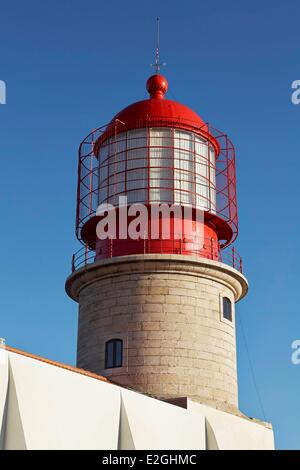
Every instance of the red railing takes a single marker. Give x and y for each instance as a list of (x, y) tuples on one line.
[(230, 256)]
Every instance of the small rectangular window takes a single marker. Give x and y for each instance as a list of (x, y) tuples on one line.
[(113, 353), (227, 309)]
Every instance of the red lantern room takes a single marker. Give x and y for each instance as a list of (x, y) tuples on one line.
[(158, 151)]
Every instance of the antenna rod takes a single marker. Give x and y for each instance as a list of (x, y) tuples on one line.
[(157, 64)]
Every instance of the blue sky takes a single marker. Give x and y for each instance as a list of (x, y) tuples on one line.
[(69, 67)]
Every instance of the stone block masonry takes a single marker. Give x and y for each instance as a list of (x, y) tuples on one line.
[(167, 309)]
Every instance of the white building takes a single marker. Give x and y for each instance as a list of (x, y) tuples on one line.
[(47, 405)]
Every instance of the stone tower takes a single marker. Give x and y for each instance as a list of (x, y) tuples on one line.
[(157, 313)]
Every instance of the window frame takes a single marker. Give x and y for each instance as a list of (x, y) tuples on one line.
[(226, 301), (115, 364)]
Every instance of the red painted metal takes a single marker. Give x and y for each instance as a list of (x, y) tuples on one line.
[(188, 243), (158, 112), (220, 225), (157, 86)]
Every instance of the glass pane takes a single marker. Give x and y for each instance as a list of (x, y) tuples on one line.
[(212, 179), (103, 172), (184, 167), (137, 179), (121, 142), (200, 148), (139, 195), (183, 140), (161, 147), (109, 355), (103, 151), (161, 195), (118, 353), (227, 309), (161, 178), (137, 162), (160, 137), (137, 138), (103, 194), (115, 189), (116, 166)]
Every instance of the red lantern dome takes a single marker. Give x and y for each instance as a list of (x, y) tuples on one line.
[(157, 111)]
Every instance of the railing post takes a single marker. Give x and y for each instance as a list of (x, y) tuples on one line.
[(86, 254), (73, 263), (111, 247), (219, 252), (212, 248), (233, 257)]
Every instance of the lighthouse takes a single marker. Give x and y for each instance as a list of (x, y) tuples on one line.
[(156, 278), (157, 313)]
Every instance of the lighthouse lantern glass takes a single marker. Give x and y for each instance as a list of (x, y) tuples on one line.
[(158, 165)]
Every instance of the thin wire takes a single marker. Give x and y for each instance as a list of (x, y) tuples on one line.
[(252, 371)]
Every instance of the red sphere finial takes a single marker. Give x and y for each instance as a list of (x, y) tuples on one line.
[(157, 86)]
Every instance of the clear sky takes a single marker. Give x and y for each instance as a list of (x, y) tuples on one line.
[(69, 66)]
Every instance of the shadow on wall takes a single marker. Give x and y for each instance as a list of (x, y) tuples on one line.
[(12, 432), (211, 441), (125, 440)]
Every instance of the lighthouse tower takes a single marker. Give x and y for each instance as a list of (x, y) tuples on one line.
[(157, 313)]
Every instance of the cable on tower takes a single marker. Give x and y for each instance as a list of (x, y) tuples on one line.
[(252, 370)]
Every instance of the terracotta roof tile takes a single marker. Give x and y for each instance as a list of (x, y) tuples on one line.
[(59, 364)]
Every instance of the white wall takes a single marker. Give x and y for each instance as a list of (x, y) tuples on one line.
[(152, 424), (3, 391), (226, 431), (43, 406), (60, 409)]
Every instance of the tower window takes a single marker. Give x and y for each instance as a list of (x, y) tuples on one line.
[(227, 308), (113, 353)]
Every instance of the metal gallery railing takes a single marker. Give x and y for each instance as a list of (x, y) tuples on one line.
[(208, 249)]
